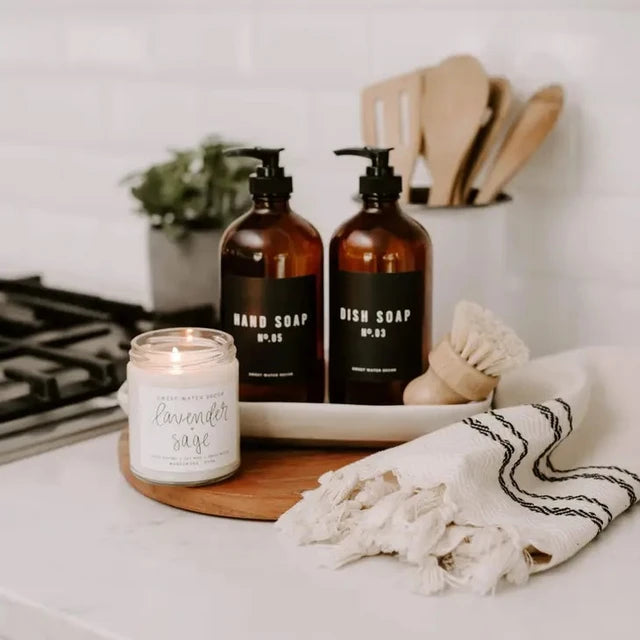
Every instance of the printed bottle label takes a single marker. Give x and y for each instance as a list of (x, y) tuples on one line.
[(273, 323), (376, 325), (187, 429)]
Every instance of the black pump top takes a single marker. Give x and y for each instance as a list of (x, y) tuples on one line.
[(269, 179), (380, 178)]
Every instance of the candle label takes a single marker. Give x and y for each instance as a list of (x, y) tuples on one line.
[(376, 325), (187, 429), (273, 323)]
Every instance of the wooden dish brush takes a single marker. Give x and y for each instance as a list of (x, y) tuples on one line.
[(468, 363)]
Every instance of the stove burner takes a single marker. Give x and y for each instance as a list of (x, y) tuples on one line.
[(38, 362), (60, 349)]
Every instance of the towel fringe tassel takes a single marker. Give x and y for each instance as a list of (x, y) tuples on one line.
[(383, 514)]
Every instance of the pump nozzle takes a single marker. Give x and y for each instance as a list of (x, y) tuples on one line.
[(269, 179), (380, 178), (379, 156), (270, 158)]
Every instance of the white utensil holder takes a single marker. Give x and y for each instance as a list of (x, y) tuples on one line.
[(469, 255)]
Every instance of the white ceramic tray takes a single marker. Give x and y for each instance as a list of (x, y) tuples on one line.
[(537, 381), (342, 423), (348, 423)]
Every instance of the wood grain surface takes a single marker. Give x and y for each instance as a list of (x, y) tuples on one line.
[(500, 99), (270, 481), (454, 103), (527, 133), (401, 128)]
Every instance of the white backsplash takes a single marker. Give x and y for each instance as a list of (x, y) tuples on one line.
[(93, 90)]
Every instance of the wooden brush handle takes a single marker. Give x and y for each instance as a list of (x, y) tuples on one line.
[(449, 380), (461, 377), (435, 391)]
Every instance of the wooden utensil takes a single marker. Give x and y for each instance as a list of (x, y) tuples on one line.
[(399, 98), (500, 99), (537, 119), (454, 102)]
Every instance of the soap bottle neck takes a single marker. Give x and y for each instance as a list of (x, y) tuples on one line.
[(381, 204), (271, 204)]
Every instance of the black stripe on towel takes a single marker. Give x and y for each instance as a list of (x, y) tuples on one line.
[(478, 426), (545, 457), (632, 475), (525, 445)]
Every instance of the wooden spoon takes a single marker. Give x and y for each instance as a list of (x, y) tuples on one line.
[(456, 93), (500, 103), (406, 139), (537, 119)]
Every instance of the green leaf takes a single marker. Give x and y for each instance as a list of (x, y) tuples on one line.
[(195, 189)]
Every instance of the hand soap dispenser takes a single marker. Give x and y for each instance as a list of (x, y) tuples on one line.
[(271, 291), (380, 264)]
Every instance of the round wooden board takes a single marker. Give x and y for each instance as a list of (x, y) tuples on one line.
[(268, 483)]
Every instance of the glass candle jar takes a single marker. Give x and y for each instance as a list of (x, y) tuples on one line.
[(183, 406)]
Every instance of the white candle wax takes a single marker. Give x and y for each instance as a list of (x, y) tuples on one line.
[(183, 406)]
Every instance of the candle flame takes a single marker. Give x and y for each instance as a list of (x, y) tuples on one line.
[(175, 355)]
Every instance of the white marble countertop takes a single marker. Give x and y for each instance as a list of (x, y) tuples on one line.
[(84, 557)]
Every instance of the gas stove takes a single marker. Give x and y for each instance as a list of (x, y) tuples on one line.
[(63, 355)]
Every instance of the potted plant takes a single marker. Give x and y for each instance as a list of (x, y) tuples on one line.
[(189, 200)]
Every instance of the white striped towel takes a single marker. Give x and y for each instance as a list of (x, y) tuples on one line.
[(504, 494)]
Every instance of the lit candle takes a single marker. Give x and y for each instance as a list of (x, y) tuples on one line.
[(175, 360), (183, 406)]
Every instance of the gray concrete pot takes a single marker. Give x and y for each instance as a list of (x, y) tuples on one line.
[(185, 273)]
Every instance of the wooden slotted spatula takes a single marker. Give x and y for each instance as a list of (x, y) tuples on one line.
[(538, 117), (454, 103), (400, 122), (499, 103)]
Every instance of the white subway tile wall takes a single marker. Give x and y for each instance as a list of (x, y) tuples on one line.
[(91, 91)]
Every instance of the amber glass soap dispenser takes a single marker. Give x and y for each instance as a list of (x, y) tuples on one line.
[(380, 264), (271, 291)]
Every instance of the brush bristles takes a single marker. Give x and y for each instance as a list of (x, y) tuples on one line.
[(484, 341)]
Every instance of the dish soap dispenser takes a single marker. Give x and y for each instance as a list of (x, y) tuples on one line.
[(271, 290), (380, 265)]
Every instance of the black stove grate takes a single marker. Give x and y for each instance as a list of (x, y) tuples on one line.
[(58, 347)]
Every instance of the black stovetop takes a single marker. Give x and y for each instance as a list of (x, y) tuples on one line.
[(58, 348)]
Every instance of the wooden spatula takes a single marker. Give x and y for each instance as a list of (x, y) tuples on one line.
[(455, 98), (499, 103), (537, 119), (400, 100)]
